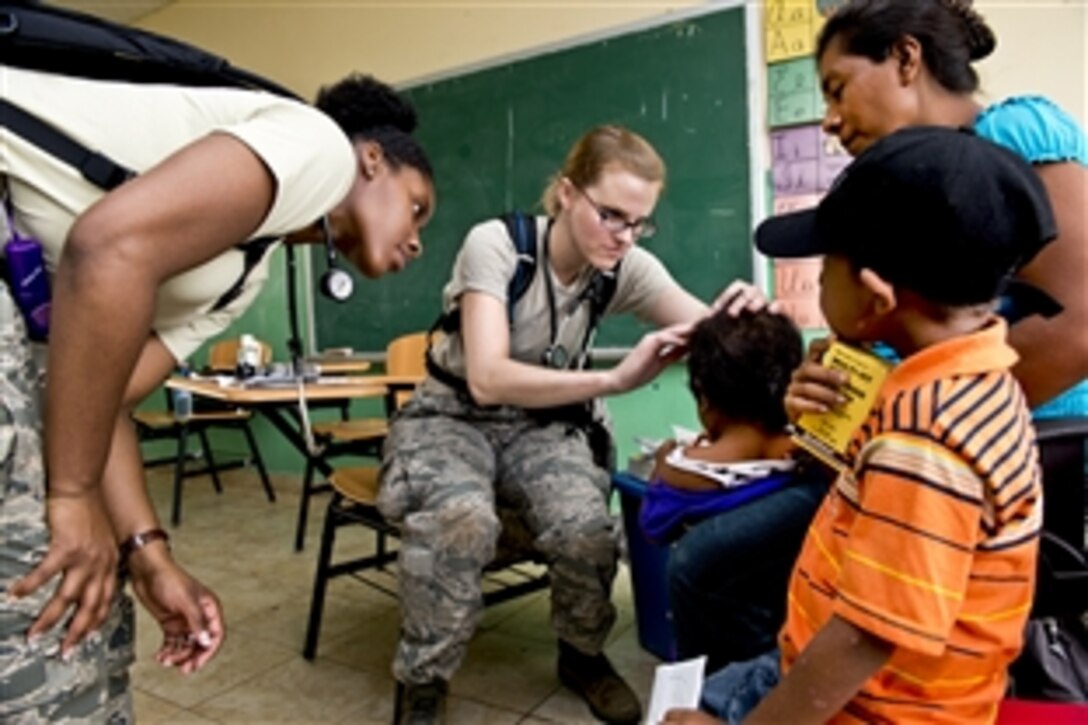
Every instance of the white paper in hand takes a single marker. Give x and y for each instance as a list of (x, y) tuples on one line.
[(675, 685)]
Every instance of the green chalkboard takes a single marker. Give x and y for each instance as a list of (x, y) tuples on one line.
[(496, 136)]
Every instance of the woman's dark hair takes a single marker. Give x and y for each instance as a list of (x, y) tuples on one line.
[(951, 33), (367, 109), (740, 366)]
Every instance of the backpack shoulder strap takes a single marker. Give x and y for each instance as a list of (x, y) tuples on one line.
[(100, 170), (522, 230), (67, 42), (604, 286), (599, 292)]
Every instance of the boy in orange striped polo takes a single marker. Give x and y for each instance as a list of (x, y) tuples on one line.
[(909, 598)]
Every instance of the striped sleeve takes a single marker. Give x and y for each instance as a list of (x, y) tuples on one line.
[(909, 555)]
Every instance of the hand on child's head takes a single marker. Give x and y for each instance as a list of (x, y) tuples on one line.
[(741, 296), (675, 339)]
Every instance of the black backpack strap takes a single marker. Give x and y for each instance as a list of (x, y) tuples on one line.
[(253, 251), (107, 174), (599, 293), (522, 230), (602, 290), (100, 170), (68, 42)]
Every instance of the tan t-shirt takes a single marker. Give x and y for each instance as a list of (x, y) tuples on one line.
[(138, 126), (487, 262)]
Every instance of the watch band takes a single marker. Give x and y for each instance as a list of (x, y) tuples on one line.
[(139, 540)]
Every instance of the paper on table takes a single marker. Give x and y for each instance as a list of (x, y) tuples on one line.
[(684, 436), (675, 685)]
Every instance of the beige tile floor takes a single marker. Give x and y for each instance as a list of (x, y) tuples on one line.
[(241, 545)]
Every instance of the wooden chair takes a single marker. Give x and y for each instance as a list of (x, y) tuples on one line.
[(514, 572), (361, 436), (355, 491), (165, 424)]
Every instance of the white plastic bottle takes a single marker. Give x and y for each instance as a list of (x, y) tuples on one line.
[(249, 357)]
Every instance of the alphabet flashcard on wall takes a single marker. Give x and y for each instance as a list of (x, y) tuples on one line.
[(790, 204), (805, 161), (793, 93), (791, 27), (797, 289)]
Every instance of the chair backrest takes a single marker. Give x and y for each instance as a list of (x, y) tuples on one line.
[(406, 356), (223, 355)]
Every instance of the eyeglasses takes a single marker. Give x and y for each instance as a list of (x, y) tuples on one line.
[(615, 221)]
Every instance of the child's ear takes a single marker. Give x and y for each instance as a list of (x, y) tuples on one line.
[(882, 298)]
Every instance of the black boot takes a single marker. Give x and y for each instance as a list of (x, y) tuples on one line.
[(592, 676), (421, 704)]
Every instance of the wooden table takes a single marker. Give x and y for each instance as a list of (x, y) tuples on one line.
[(280, 405), (339, 365)]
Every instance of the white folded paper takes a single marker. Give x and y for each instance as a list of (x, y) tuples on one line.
[(675, 685)]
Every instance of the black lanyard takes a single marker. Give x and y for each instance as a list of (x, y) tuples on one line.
[(556, 355), (549, 285)]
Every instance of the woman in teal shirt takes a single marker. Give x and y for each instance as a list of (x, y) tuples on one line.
[(886, 64)]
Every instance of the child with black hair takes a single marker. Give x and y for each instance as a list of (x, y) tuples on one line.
[(729, 568), (909, 598), (738, 371)]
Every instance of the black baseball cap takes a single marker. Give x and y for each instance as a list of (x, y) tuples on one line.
[(936, 210)]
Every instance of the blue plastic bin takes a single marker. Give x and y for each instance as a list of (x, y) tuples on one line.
[(648, 576)]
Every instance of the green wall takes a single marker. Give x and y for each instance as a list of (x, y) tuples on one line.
[(496, 135)]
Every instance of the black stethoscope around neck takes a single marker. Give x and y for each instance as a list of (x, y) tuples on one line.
[(556, 355)]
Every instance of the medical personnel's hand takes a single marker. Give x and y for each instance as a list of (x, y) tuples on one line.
[(653, 353), (741, 296), (83, 551), (189, 613), (814, 388)]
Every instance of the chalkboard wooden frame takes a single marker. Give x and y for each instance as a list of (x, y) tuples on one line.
[(513, 173)]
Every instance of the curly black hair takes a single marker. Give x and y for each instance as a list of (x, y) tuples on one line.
[(367, 109), (951, 32), (741, 366)]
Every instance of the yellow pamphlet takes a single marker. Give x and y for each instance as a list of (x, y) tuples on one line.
[(827, 435)]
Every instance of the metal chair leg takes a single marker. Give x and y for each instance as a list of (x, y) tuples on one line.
[(379, 545), (209, 459), (398, 702), (258, 461), (304, 504), (179, 474), (321, 577)]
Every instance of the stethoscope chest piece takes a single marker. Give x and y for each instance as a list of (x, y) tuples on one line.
[(337, 284)]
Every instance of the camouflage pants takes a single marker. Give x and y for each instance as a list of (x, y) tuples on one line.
[(35, 684), (447, 464)]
